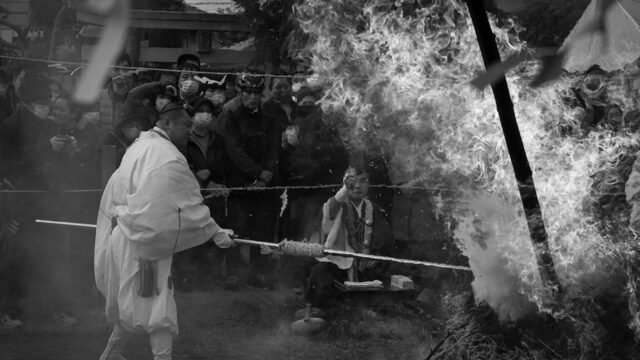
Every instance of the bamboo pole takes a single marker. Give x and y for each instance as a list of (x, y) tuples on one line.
[(519, 161), (274, 246)]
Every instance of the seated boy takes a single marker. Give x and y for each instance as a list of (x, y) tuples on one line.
[(350, 222)]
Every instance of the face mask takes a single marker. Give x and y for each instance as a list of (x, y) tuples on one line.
[(202, 119), (161, 103), (296, 87), (189, 87), (41, 111), (217, 99)]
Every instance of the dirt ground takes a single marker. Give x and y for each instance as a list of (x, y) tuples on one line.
[(220, 324)]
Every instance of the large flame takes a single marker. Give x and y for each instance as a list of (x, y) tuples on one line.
[(402, 80)]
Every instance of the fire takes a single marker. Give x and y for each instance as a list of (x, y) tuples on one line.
[(403, 80)]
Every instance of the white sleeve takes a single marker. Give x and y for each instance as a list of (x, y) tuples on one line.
[(166, 212)]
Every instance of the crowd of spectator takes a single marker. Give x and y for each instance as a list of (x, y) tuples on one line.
[(250, 131)]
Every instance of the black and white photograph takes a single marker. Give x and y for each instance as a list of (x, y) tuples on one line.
[(320, 179)]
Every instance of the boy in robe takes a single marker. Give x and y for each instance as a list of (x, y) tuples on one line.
[(151, 208), (350, 222)]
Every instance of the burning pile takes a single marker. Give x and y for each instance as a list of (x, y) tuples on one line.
[(400, 77)]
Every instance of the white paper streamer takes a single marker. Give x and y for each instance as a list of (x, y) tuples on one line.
[(110, 44), (285, 201), (551, 63)]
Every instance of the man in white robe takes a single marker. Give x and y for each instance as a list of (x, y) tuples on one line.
[(150, 209)]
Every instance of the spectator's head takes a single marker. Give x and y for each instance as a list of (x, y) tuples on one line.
[(167, 95), (176, 122), (307, 100), (56, 90), (215, 90), (141, 80), (34, 93), (169, 77), (281, 88), (251, 88), (5, 80), (189, 87), (216, 95), (357, 182), (121, 78), (298, 81), (65, 110), (307, 97), (203, 114), (188, 62), (230, 87)]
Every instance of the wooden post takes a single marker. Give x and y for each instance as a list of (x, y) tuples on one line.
[(519, 160), (108, 163)]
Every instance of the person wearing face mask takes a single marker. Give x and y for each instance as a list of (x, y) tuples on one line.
[(315, 156), (279, 108), (24, 132), (145, 102), (72, 163), (252, 143), (207, 159), (112, 98), (74, 143), (188, 86), (24, 146), (215, 91), (217, 97)]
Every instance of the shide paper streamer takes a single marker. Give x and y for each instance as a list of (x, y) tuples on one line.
[(110, 44)]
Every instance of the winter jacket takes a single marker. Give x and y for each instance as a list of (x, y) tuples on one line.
[(251, 140), (213, 158), (319, 158), (24, 146), (79, 169)]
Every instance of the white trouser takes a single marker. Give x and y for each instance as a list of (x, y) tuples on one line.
[(161, 344)]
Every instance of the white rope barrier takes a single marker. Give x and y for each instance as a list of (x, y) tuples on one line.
[(177, 71)]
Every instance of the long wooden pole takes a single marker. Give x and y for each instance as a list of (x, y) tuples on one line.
[(275, 246), (519, 161)]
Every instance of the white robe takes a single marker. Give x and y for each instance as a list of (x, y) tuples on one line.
[(158, 206)]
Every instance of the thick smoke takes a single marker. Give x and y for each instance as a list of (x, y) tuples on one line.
[(400, 77)]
